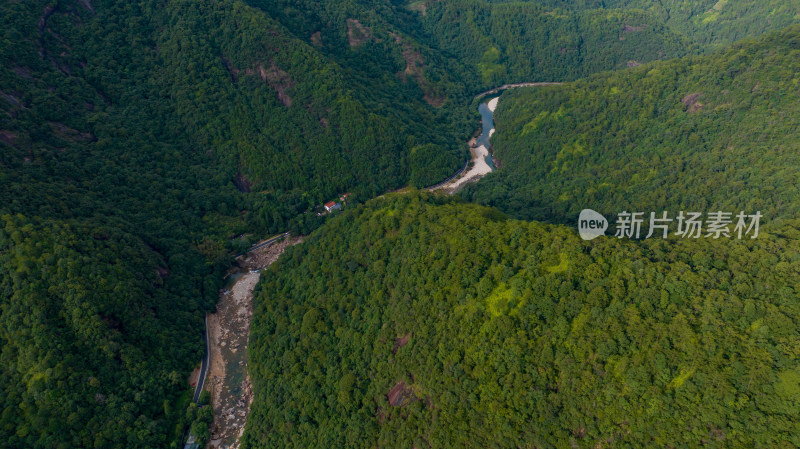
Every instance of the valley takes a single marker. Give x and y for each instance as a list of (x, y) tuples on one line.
[(229, 328), (145, 146), (227, 379)]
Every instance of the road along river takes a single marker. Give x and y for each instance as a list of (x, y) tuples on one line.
[(228, 329)]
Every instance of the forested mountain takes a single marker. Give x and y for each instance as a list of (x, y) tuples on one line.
[(711, 23), (138, 138), (562, 40), (716, 132), (524, 41), (418, 322)]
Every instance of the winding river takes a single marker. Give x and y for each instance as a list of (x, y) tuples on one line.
[(487, 126), (228, 329), (481, 162)]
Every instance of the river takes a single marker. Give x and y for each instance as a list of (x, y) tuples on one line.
[(229, 328), (481, 162), (227, 379)]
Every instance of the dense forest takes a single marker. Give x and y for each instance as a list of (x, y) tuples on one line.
[(560, 40), (420, 322), (716, 132), (135, 140), (517, 42), (139, 140), (710, 23)]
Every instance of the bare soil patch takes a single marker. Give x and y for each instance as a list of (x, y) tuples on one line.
[(400, 395), (278, 80), (8, 137), (399, 342), (414, 69), (692, 102), (357, 34), (632, 29), (316, 39), (65, 132), (194, 377)]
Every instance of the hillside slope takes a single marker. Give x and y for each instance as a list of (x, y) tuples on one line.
[(710, 23), (524, 41), (135, 140), (563, 40), (706, 133), (417, 322)]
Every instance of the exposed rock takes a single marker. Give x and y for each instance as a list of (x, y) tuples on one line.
[(162, 272), (22, 72), (242, 183), (65, 132), (691, 103), (8, 137), (316, 39), (413, 62), (232, 71), (87, 4), (399, 342), (41, 25), (633, 64), (381, 415), (400, 395), (10, 98), (278, 80), (420, 7), (414, 69), (397, 39), (357, 34), (48, 11)]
